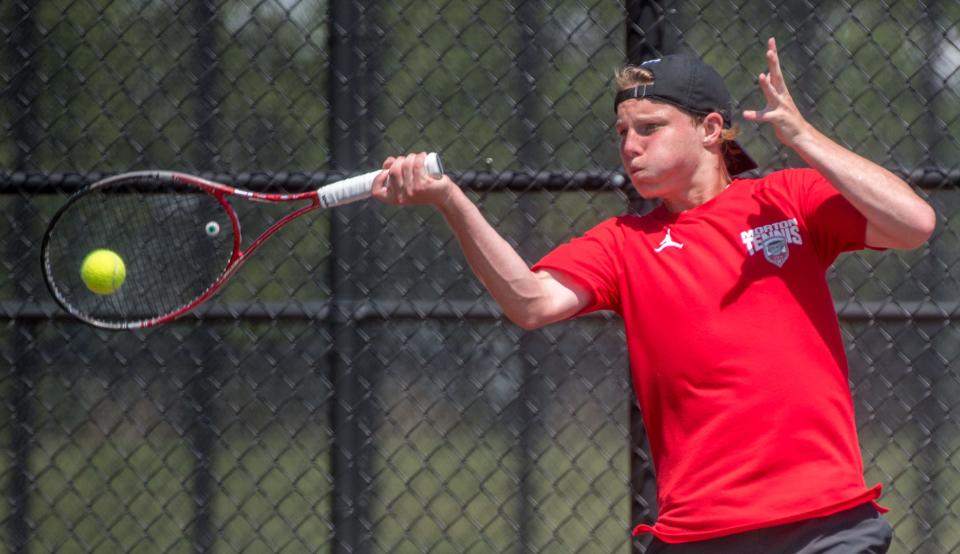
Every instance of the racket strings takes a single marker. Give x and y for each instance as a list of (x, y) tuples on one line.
[(164, 240)]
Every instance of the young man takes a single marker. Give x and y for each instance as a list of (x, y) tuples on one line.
[(735, 349)]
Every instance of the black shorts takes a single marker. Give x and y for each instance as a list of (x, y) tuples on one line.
[(860, 530)]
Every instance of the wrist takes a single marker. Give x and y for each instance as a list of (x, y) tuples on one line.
[(447, 199), (804, 137)]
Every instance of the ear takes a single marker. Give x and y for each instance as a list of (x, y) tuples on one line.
[(712, 129)]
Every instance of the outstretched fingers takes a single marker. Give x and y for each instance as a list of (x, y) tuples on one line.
[(769, 94), (781, 112), (772, 85), (774, 72)]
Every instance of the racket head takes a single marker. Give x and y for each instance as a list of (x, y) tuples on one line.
[(177, 236)]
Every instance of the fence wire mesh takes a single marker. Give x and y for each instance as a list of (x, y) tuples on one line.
[(353, 389)]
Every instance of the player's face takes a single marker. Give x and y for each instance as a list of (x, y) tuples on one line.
[(661, 147)]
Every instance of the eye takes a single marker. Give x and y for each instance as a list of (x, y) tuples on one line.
[(648, 129)]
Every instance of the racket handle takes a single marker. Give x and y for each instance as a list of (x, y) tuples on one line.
[(360, 186)]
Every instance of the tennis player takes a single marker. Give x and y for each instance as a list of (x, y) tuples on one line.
[(735, 350)]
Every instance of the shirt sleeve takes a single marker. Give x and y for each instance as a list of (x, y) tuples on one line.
[(593, 261), (834, 224)]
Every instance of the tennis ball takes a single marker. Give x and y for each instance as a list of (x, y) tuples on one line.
[(103, 271)]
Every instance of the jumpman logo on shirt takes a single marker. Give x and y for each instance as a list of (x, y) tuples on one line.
[(667, 242)]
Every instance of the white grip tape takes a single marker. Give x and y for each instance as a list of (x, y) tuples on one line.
[(359, 187), (347, 190)]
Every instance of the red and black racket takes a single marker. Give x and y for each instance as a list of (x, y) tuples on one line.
[(178, 237)]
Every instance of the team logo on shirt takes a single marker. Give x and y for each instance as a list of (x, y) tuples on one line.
[(667, 242), (773, 240)]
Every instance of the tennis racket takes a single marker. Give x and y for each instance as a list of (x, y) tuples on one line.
[(140, 249)]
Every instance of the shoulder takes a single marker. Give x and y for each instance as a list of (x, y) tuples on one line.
[(795, 177), (652, 221), (616, 226), (613, 233), (791, 186), (608, 234)]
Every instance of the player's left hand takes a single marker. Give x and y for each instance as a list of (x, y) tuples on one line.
[(781, 111)]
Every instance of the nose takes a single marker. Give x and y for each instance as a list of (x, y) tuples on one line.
[(631, 145)]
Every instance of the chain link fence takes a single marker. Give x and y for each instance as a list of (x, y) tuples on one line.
[(354, 389)]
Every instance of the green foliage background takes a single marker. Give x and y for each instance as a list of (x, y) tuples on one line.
[(497, 86)]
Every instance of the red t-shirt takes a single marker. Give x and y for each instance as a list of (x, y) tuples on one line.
[(735, 351)]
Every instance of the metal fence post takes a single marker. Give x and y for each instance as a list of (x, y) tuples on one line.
[(350, 404), (531, 155), (205, 63), (647, 36), (201, 393), (21, 92)]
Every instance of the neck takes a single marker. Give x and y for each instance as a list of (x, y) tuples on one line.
[(704, 186)]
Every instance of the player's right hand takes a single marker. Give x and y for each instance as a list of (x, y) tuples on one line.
[(405, 181)]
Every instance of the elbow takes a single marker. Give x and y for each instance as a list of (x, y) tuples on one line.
[(922, 229), (531, 315), (526, 320), (545, 302), (914, 229), (929, 223)]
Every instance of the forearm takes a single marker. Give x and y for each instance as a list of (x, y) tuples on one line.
[(529, 299), (896, 216), (500, 269)]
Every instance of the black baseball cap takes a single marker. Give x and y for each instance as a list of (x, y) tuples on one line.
[(688, 83)]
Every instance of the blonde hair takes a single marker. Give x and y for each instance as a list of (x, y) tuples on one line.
[(630, 76)]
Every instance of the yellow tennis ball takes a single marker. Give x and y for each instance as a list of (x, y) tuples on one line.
[(103, 271)]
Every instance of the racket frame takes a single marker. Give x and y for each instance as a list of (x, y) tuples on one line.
[(331, 195), (239, 255)]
